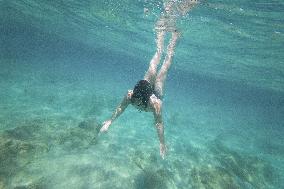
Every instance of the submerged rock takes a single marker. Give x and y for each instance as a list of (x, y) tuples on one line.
[(152, 173), (32, 184), (81, 137), (244, 169), (212, 177), (90, 125), (15, 154), (22, 145), (152, 179), (9, 154)]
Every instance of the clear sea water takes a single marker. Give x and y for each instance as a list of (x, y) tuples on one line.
[(65, 65)]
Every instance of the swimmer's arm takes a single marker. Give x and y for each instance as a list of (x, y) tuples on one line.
[(118, 111), (159, 126)]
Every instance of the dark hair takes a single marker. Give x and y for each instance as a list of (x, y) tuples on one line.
[(142, 90)]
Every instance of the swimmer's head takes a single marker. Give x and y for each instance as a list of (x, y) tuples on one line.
[(141, 93)]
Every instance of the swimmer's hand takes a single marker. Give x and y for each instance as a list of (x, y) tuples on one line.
[(105, 126), (162, 150)]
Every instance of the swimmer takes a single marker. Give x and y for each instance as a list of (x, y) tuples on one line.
[(148, 93)]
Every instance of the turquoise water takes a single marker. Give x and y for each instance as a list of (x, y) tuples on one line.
[(65, 65)]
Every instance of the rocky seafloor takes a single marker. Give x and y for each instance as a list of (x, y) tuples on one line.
[(213, 166), (21, 146)]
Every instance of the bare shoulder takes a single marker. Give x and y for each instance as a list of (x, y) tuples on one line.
[(155, 100), (155, 103)]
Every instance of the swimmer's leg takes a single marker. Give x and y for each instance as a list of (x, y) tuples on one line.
[(152, 70), (159, 83)]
